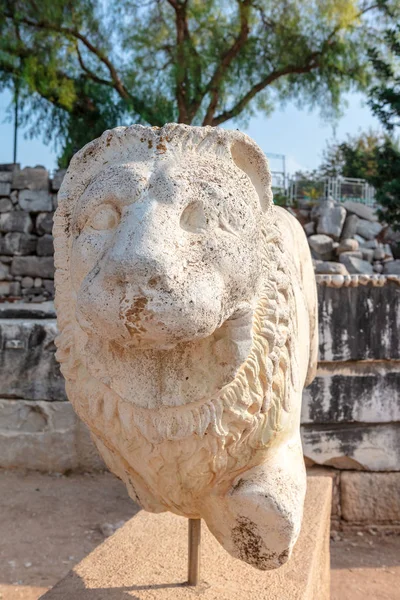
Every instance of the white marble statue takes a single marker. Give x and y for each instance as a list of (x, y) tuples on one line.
[(186, 306)]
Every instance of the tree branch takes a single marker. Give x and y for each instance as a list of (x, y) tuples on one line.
[(213, 86), (226, 60), (69, 31), (90, 74), (239, 106), (50, 94), (138, 105), (182, 76)]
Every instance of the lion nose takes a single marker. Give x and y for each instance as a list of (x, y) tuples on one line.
[(138, 254)]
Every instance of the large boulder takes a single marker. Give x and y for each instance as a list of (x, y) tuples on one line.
[(388, 251), (4, 271), (347, 245), (5, 176), (330, 268), (362, 241), (33, 266), (45, 246), (18, 244), (368, 229), (5, 205), (350, 226), (15, 221), (320, 243), (379, 253), (371, 244), (57, 179), (370, 496), (309, 228), (5, 188), (367, 254), (389, 235), (44, 222), (361, 210), (322, 247), (356, 265), (331, 220), (392, 267), (353, 253)]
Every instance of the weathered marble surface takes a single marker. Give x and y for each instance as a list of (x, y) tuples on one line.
[(186, 304)]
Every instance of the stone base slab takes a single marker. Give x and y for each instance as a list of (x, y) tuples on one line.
[(147, 559)]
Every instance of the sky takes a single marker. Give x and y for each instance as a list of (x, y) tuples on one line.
[(300, 135)]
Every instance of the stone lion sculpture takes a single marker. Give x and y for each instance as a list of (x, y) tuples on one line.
[(186, 306)]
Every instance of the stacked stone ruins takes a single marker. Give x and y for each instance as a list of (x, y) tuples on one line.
[(28, 198), (347, 239)]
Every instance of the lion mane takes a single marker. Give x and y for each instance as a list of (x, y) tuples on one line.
[(200, 444)]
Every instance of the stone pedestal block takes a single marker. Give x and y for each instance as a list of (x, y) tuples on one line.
[(147, 559)]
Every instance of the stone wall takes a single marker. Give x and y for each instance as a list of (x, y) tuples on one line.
[(38, 428), (28, 199), (351, 412)]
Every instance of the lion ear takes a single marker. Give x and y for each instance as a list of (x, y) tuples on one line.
[(248, 157)]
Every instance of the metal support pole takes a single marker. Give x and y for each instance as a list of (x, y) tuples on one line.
[(194, 539), (16, 103)]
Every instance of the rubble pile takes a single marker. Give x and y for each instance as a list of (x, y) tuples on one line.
[(347, 239)]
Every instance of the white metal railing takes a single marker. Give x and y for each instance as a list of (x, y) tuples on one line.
[(339, 189), (317, 190)]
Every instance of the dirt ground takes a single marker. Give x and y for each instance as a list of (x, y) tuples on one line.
[(49, 523)]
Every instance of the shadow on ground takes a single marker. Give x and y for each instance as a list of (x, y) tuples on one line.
[(73, 587)]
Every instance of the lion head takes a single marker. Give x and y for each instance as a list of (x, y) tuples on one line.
[(165, 238)]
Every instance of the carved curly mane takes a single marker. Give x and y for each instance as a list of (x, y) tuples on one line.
[(229, 432)]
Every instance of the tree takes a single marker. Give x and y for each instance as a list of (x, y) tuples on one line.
[(384, 99), (384, 96), (376, 158), (82, 68), (356, 157), (387, 184)]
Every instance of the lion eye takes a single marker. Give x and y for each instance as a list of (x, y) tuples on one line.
[(107, 217), (193, 218)]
